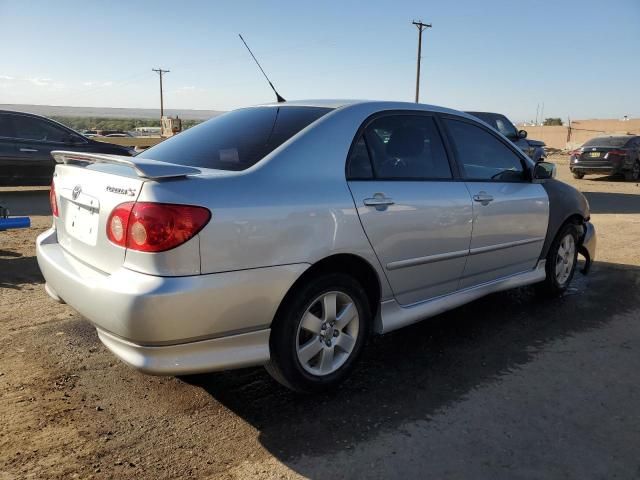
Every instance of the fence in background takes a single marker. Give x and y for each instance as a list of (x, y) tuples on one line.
[(581, 130)]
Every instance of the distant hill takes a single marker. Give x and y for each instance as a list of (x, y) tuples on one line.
[(104, 112)]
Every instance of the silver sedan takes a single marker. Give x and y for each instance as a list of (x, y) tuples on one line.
[(284, 235)]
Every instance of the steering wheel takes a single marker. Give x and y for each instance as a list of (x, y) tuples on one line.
[(395, 162)]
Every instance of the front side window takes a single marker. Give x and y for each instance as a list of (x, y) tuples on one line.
[(406, 147), (499, 122), (236, 140), (29, 128), (481, 155)]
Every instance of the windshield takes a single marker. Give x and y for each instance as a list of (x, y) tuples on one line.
[(499, 122), (606, 142), (236, 140)]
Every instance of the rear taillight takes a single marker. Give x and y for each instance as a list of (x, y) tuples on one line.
[(617, 153), (52, 199), (575, 153), (155, 227)]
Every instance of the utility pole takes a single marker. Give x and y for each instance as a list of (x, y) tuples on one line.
[(160, 72), (421, 26)]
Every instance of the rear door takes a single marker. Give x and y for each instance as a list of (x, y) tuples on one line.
[(416, 215), (35, 139), (510, 213)]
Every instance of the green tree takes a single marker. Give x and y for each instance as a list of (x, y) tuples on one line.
[(122, 124), (552, 121)]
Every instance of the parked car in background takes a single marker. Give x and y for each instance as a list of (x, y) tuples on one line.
[(611, 155), (26, 142), (533, 148), (282, 235), (119, 135)]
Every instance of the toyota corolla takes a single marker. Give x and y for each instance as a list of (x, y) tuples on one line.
[(284, 235)]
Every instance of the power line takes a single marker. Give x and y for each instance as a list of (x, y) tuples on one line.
[(421, 27), (160, 72)]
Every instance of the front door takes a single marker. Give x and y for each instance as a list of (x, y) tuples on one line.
[(510, 213), (8, 160), (416, 216)]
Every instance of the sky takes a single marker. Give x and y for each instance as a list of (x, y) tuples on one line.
[(581, 58)]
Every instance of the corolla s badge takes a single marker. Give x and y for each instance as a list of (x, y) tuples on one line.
[(122, 191), (76, 191)]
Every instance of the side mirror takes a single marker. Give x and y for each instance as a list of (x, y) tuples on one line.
[(544, 170), (522, 134)]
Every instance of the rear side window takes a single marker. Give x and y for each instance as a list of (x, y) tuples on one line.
[(236, 140), (29, 128), (482, 156), (6, 128), (405, 147)]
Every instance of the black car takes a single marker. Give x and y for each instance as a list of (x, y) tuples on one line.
[(614, 155), (26, 142), (533, 148)]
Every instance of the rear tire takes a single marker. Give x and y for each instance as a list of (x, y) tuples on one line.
[(578, 175), (561, 261), (318, 333), (634, 173)]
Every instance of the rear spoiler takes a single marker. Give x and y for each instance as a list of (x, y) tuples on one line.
[(144, 168)]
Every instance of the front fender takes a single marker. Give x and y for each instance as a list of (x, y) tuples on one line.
[(565, 202)]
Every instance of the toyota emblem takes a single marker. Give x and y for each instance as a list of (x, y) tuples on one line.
[(76, 191)]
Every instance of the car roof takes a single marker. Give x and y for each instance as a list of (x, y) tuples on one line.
[(381, 104), (485, 113), (616, 137), (24, 113)]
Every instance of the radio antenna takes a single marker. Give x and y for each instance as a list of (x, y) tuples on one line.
[(280, 99)]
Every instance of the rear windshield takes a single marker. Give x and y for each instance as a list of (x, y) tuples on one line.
[(607, 142), (235, 140)]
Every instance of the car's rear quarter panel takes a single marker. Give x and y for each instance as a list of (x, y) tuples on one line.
[(293, 207)]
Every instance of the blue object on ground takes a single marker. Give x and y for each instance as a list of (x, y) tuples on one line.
[(14, 222)]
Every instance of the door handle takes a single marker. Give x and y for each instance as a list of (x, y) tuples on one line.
[(378, 200), (483, 197), (28, 150)]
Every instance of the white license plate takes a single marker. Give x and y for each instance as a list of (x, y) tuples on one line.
[(82, 223)]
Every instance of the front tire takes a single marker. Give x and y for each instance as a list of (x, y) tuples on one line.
[(578, 175), (318, 333), (561, 261)]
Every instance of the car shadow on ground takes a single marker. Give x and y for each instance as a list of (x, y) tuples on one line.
[(609, 202), (26, 202), (413, 373), (17, 270)]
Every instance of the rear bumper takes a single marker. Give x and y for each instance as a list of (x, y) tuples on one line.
[(171, 325), (234, 351), (586, 169)]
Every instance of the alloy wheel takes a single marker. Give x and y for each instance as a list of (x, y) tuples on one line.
[(327, 333), (565, 258)]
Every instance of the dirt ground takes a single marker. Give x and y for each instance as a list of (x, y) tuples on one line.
[(506, 387)]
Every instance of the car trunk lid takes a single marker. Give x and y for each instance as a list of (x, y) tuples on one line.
[(88, 187), (595, 155)]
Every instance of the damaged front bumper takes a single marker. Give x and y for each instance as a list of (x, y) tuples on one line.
[(587, 247)]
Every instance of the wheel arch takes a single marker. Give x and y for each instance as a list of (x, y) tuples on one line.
[(347, 263), (575, 218)]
